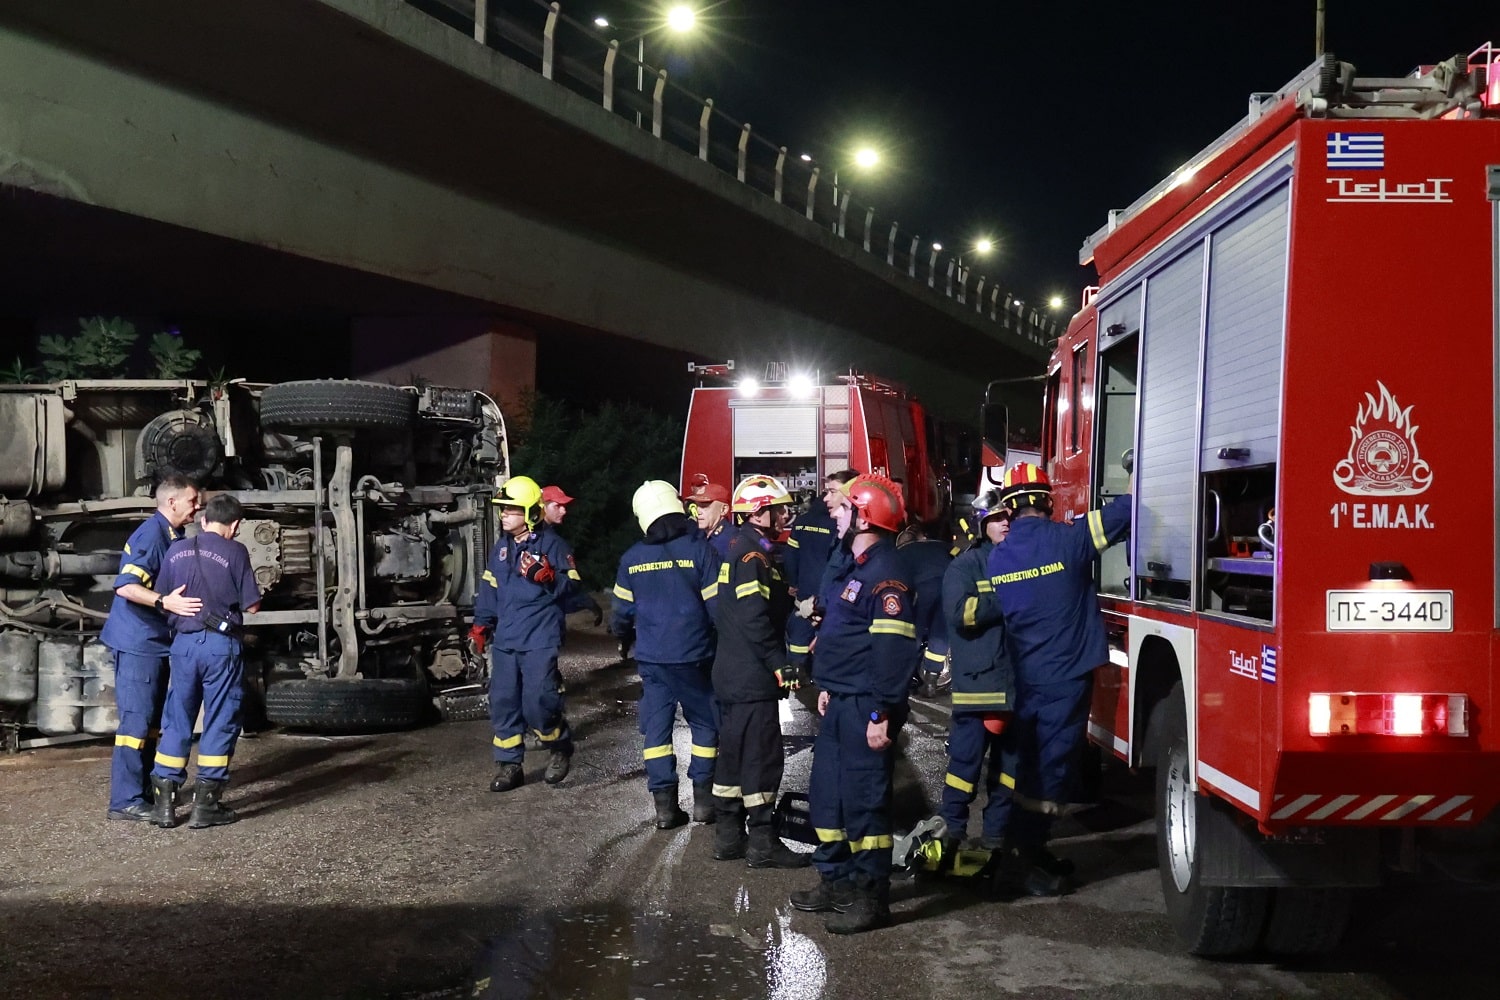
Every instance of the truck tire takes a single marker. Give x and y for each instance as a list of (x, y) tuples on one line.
[(1213, 921), (348, 705), (337, 405), (463, 707), (1307, 922)]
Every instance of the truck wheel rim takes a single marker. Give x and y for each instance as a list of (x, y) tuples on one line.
[(1181, 826)]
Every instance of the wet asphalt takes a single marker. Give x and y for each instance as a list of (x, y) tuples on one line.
[(381, 866)]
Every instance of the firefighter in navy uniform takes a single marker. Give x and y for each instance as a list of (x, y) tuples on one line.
[(555, 505), (207, 671), (136, 632), (862, 664), (665, 594), (926, 560), (814, 537), (1043, 578), (984, 686), (518, 613), (708, 504), (750, 674)]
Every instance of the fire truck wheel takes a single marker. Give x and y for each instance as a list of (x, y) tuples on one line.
[(1213, 921), (359, 705), (1307, 921), (337, 404)]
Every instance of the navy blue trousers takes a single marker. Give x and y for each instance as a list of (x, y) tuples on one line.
[(849, 798), (207, 672), (1051, 723), (140, 685), (969, 745), (664, 686), (525, 694)]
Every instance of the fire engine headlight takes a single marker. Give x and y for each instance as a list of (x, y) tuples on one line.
[(800, 386), (1352, 713)]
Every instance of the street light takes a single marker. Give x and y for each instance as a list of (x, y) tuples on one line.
[(1055, 302), (984, 246), (865, 157), (679, 19)]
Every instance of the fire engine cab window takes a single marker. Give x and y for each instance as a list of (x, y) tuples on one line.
[(1075, 394), (1051, 424)]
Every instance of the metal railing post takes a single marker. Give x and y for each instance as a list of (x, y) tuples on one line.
[(994, 301), (707, 113), (932, 269), (890, 247), (780, 168), (963, 285), (911, 258), (869, 221), (609, 74), (549, 36), (481, 20), (744, 148), (843, 212), (812, 189), (979, 295), (950, 278), (656, 102)]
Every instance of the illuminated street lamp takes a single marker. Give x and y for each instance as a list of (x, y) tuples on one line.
[(1055, 302)]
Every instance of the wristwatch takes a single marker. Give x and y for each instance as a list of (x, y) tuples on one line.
[(878, 717), (161, 604)]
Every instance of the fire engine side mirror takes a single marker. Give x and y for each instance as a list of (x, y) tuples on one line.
[(1127, 461), (994, 427)]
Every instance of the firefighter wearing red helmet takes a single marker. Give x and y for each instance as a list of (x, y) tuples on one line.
[(862, 665), (1043, 579), (750, 673)]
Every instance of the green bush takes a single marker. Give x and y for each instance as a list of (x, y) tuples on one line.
[(598, 458)]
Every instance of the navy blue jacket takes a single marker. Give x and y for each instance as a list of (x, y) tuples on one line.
[(926, 560), (525, 615), (215, 570), (721, 538), (666, 594), (984, 679), (1044, 580), (812, 539), (868, 639), (131, 627), (751, 620)]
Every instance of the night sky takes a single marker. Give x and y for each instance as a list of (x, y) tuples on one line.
[(1025, 121)]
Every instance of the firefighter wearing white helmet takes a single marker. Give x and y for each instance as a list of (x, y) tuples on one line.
[(664, 598), (518, 612), (750, 673)]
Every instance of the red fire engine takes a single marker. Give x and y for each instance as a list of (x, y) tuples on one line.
[(1294, 339), (800, 428)]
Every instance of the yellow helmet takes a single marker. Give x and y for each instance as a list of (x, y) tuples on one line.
[(653, 499), (756, 493), (523, 492)]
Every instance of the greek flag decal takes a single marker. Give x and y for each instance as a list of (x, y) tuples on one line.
[(1268, 664), (1356, 151)]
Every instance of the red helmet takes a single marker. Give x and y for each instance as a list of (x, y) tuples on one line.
[(1025, 485), (755, 493), (878, 500)]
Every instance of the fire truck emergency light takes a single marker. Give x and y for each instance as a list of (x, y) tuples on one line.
[(800, 385), (749, 386), (1352, 713)]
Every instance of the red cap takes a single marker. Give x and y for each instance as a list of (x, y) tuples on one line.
[(703, 491), (554, 494)]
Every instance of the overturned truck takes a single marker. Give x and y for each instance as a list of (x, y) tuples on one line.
[(367, 521)]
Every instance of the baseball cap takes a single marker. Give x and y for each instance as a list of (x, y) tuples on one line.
[(554, 494), (703, 491)]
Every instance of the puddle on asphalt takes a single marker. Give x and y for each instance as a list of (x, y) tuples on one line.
[(608, 953)]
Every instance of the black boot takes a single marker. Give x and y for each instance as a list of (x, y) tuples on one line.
[(869, 909), (668, 815), (164, 795), (729, 830), (830, 895), (206, 808), (703, 803), (1023, 871), (766, 849), (507, 777), (557, 766)]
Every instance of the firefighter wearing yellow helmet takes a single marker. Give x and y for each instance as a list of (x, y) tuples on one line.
[(750, 673), (518, 613)]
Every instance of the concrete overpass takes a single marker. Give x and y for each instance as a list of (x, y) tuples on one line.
[(455, 203)]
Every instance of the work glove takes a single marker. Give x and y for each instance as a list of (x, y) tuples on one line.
[(791, 677), (537, 569), (479, 638), (805, 608)]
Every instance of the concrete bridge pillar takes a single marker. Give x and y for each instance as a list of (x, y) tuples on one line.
[(493, 355)]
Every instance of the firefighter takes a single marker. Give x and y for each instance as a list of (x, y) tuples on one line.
[(814, 537), (665, 595), (207, 671), (1043, 579), (520, 603), (708, 503), (863, 667), (926, 560), (554, 505), (136, 633), (554, 508), (750, 674), (983, 686)]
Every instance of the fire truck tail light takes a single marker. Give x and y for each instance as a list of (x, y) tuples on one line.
[(1377, 714)]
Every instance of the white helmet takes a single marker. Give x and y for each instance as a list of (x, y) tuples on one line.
[(652, 499), (756, 493)]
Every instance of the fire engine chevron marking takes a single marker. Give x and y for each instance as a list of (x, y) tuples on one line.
[(1374, 805), (1296, 806), (1445, 808), (1408, 807), (1333, 807), (1371, 805), (1382, 457)]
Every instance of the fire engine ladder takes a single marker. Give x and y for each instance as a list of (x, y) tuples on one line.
[(1456, 83), (835, 428)]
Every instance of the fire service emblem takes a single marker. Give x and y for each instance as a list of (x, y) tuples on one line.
[(1383, 458)]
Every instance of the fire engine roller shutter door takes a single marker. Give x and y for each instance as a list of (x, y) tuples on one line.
[(1169, 410), (1246, 310), (775, 430)]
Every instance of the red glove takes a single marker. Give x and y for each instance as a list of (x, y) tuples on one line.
[(536, 568), (479, 637), (994, 723)]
